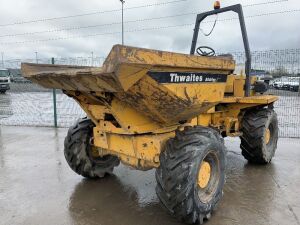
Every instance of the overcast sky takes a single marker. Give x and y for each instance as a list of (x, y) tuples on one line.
[(275, 31)]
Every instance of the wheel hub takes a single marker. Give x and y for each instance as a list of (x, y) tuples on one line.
[(267, 136), (204, 174)]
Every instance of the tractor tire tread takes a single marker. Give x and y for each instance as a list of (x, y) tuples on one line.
[(253, 129), (174, 188), (75, 151)]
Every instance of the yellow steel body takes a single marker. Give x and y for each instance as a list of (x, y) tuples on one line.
[(134, 115)]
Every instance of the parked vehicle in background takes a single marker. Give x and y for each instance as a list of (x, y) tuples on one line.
[(16, 76), (4, 81), (278, 84), (286, 83), (294, 86)]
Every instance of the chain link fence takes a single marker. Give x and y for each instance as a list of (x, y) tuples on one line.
[(27, 104), (281, 69)]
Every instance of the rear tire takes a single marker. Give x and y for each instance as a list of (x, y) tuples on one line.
[(260, 135), (78, 152), (179, 174)]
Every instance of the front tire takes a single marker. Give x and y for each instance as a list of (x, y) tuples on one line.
[(79, 155), (260, 135), (191, 174)]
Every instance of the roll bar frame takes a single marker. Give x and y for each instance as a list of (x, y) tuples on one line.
[(239, 10)]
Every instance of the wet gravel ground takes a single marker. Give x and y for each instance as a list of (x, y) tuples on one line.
[(37, 187)]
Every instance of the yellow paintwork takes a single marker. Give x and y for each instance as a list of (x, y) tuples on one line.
[(204, 174), (143, 150), (230, 83), (134, 115), (267, 136)]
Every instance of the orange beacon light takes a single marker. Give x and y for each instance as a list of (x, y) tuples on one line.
[(217, 5)]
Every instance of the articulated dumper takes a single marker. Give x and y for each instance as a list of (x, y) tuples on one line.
[(169, 111)]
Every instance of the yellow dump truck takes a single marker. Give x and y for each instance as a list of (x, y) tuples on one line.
[(168, 111)]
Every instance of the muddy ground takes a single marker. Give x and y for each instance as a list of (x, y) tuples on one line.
[(37, 187)]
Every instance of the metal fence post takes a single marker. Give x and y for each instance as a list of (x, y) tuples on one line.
[(54, 102)]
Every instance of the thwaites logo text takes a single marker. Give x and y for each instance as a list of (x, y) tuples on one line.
[(187, 77)]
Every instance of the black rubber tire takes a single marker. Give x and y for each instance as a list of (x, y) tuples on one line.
[(177, 176), (78, 152), (253, 144), (2, 92)]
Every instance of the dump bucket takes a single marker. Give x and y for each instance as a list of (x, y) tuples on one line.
[(165, 86)]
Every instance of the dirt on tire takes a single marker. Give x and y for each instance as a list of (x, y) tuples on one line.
[(180, 160), (77, 152), (254, 126)]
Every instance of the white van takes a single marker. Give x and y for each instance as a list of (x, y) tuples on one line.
[(4, 80)]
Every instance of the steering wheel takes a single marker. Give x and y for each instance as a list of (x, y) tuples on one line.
[(205, 51)]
